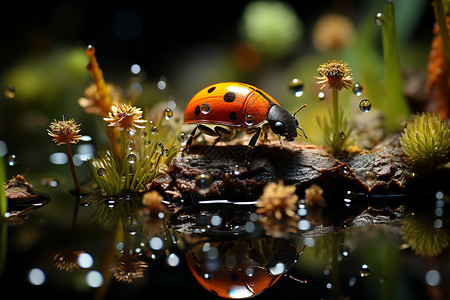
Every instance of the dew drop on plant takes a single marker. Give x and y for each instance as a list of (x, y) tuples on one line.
[(10, 92), (365, 105), (182, 137), (341, 135), (296, 87), (364, 270), (321, 96), (357, 89), (101, 171), (205, 108), (130, 145), (147, 143), (131, 158), (379, 19), (159, 147), (203, 183), (12, 160), (168, 113), (165, 152), (154, 130), (249, 120)]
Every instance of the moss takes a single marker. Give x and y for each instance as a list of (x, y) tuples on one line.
[(426, 139)]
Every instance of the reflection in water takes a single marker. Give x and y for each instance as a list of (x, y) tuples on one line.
[(239, 267)]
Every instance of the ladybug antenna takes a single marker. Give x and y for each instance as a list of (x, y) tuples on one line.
[(301, 107)]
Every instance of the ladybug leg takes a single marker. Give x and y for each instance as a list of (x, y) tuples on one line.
[(221, 132), (217, 131), (189, 141), (265, 133), (252, 143)]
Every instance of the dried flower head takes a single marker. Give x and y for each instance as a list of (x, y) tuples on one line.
[(277, 207), (426, 139), (334, 74), (67, 260), (128, 267), (65, 132), (94, 103), (125, 117)]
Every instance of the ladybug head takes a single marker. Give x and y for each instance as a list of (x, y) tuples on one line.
[(282, 122)]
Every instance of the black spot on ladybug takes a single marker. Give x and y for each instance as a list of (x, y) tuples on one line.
[(233, 116), (197, 110), (211, 89), (229, 97), (234, 276)]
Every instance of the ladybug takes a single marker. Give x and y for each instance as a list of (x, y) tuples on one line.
[(238, 106)]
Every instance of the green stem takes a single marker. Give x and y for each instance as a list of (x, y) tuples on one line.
[(439, 13), (335, 102), (397, 108), (3, 224)]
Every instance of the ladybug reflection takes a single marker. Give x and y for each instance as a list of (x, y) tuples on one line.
[(240, 268)]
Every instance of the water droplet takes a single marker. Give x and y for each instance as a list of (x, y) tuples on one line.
[(249, 120), (168, 113), (203, 183), (365, 105), (379, 19), (321, 96), (147, 143), (364, 270), (10, 92), (165, 153), (131, 158), (130, 145), (296, 87), (341, 135), (12, 160), (159, 147), (154, 130), (236, 170), (205, 108), (182, 137), (101, 172), (357, 89)]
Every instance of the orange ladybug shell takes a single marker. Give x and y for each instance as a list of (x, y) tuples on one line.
[(231, 104)]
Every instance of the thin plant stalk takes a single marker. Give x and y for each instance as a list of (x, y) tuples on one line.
[(397, 108), (72, 169), (335, 103), (3, 226)]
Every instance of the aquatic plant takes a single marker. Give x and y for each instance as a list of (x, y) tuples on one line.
[(65, 132), (277, 208), (336, 76), (423, 236), (426, 139)]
